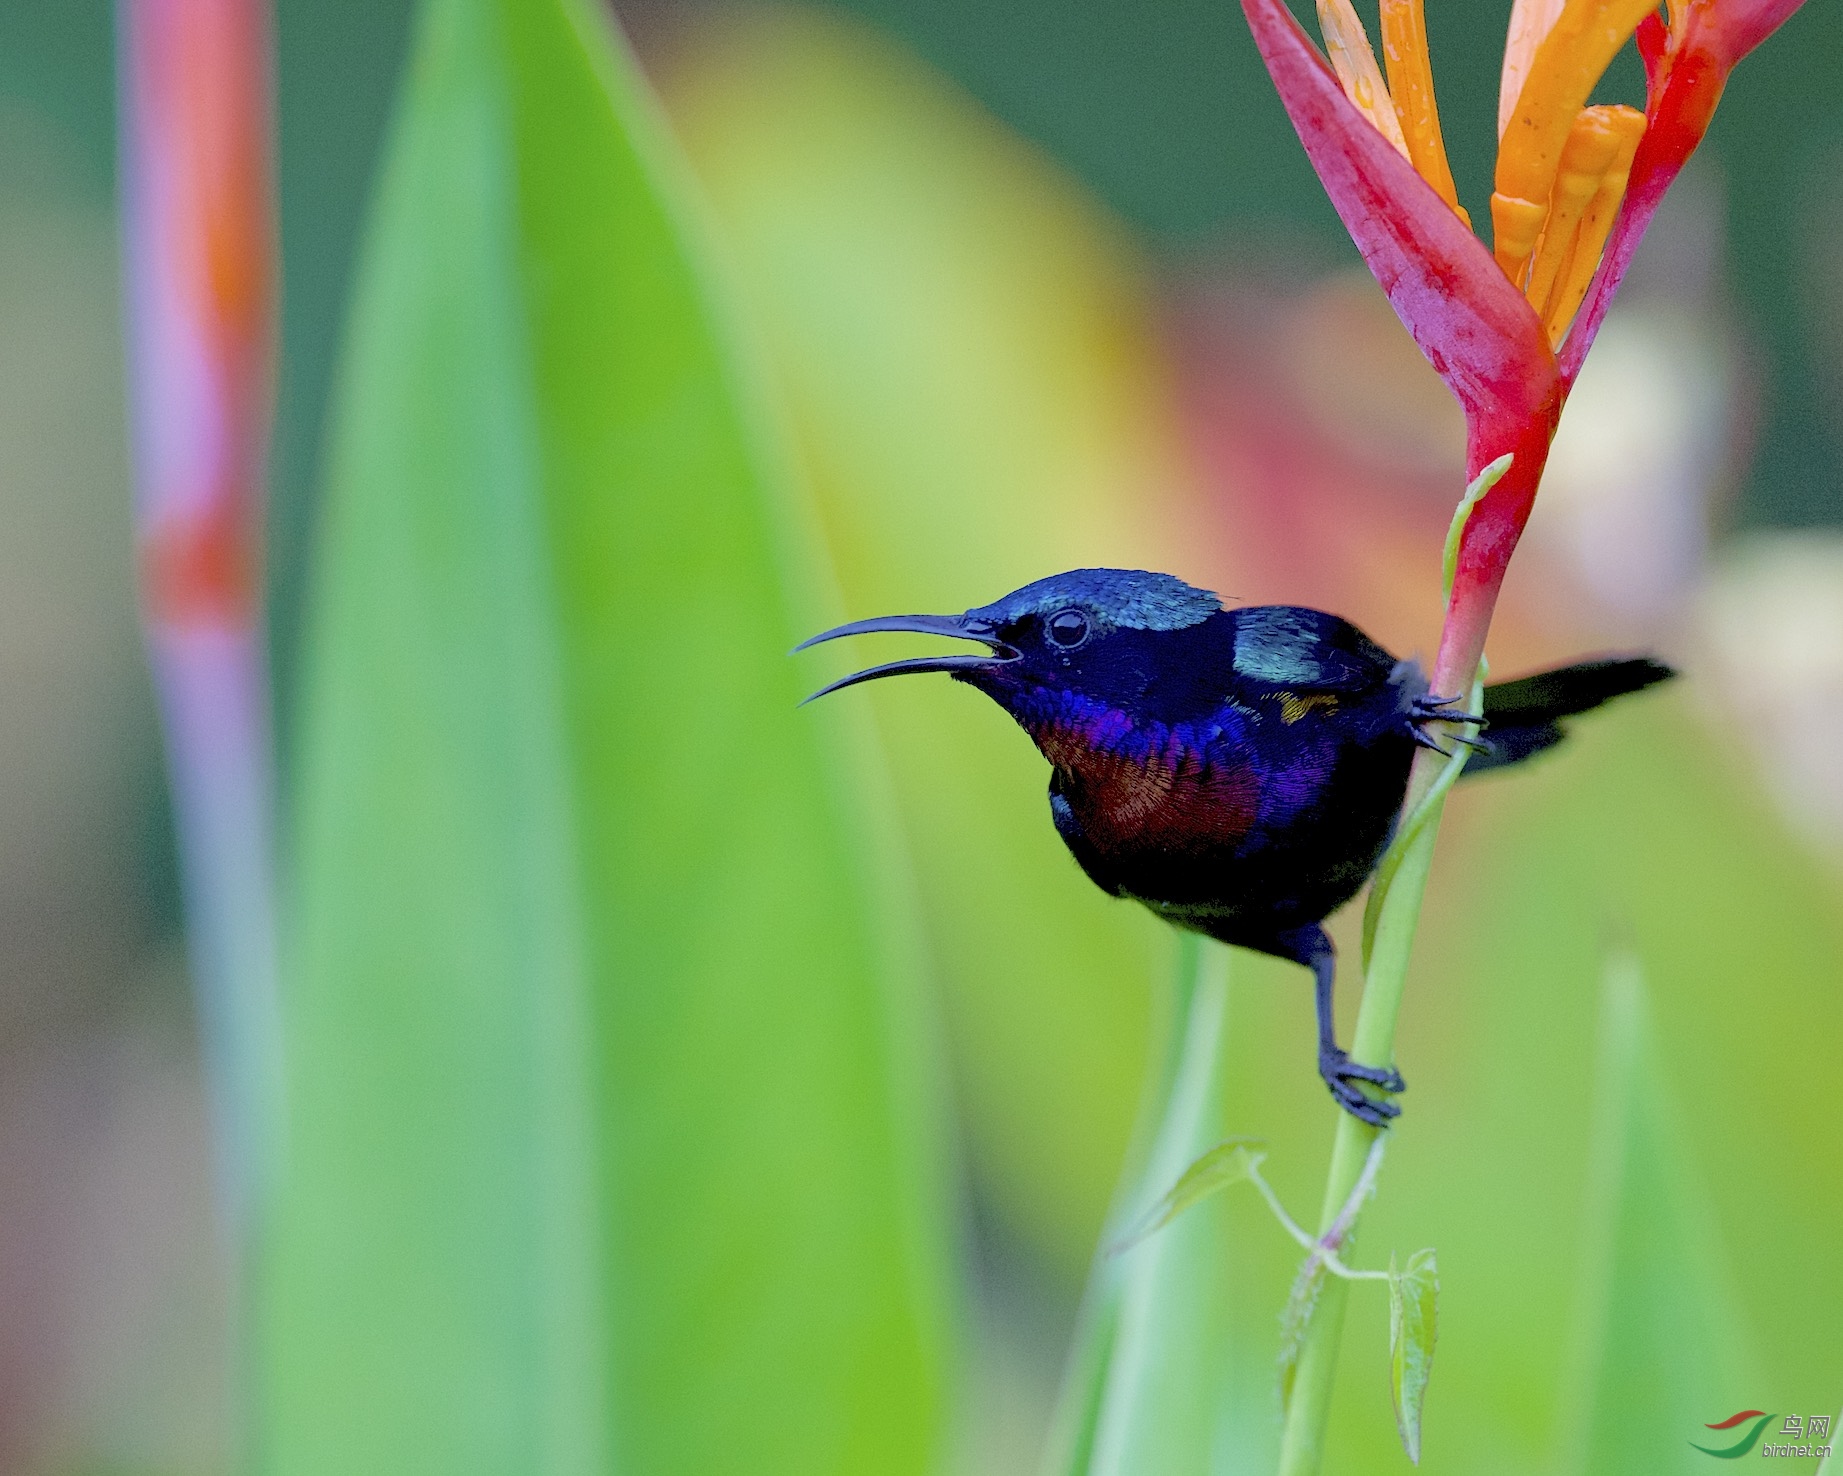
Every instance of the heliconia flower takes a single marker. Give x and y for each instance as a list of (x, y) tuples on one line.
[(1575, 186)]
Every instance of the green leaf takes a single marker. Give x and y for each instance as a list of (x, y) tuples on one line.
[(1662, 1349), (610, 1132), (1157, 1397), (972, 362), (1414, 1291), (1148, 1390), (1229, 1162)]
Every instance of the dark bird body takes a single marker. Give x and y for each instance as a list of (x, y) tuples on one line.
[(1238, 771)]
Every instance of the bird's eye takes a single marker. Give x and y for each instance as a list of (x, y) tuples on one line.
[(1068, 628)]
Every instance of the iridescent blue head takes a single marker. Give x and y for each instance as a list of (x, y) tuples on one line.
[(1104, 632)]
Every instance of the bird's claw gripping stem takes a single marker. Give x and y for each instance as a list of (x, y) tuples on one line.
[(1429, 709), (1341, 1075)]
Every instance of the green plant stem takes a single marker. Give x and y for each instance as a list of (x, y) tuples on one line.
[(1302, 1443)]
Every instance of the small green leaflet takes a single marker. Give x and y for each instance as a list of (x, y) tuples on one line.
[(1414, 1291), (1486, 479), (1229, 1162)]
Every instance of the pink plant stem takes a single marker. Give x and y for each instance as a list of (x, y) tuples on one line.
[(198, 261)]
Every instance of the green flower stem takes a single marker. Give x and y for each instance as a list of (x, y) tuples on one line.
[(1392, 938), (1302, 1444), (1389, 922)]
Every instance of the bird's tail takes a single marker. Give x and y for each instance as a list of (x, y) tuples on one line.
[(1525, 716)]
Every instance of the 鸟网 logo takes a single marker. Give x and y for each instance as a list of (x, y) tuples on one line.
[(1747, 1441)]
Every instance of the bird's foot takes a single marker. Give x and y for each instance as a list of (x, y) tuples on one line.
[(1341, 1075), (1429, 709)]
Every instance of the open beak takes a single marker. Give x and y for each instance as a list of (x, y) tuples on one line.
[(960, 627)]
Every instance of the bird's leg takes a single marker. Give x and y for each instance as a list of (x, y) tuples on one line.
[(1311, 947)]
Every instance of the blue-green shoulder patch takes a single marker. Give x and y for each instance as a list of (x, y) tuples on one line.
[(1277, 644), (1291, 646)]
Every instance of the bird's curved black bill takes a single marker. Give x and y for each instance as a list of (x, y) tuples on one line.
[(956, 626)]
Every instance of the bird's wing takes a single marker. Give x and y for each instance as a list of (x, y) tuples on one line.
[(1569, 690), (1302, 650), (1525, 716)]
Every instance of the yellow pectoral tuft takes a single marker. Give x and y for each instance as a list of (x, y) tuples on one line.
[(1294, 706)]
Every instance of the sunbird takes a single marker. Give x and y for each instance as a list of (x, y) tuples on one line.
[(1239, 771)]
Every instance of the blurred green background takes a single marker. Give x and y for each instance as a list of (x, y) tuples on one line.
[(1034, 285)]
